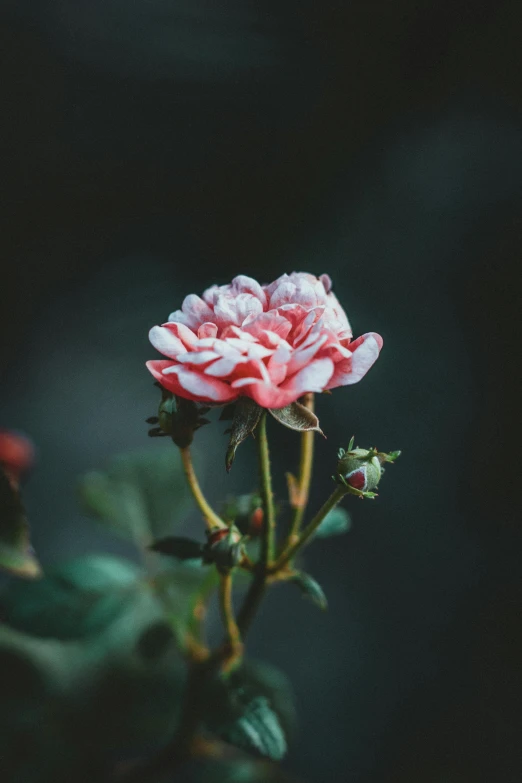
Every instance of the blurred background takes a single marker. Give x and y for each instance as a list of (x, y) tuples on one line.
[(150, 149)]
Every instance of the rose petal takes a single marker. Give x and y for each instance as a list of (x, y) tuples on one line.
[(207, 330), (365, 351), (165, 341)]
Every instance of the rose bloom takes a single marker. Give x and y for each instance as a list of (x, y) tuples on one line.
[(272, 343)]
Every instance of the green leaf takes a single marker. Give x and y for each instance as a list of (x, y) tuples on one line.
[(252, 709), (76, 600), (297, 417), (246, 418), (311, 589), (94, 671), (16, 554), (180, 589), (336, 522), (140, 495), (258, 729), (178, 547)]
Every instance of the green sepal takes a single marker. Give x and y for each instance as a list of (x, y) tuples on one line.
[(246, 418), (297, 417)]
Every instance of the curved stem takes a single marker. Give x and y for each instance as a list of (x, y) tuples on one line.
[(211, 518), (310, 529), (233, 635), (305, 473)]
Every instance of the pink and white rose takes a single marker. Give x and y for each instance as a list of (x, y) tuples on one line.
[(272, 343)]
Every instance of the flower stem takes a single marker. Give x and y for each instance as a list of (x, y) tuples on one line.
[(211, 518), (268, 534), (305, 473), (310, 529), (233, 636), (258, 585)]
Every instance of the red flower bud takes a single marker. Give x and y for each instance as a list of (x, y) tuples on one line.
[(16, 455)]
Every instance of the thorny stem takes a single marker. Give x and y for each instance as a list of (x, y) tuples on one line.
[(211, 518), (305, 473), (310, 529)]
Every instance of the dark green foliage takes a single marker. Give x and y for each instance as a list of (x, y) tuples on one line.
[(337, 521), (92, 672), (15, 550), (140, 495), (178, 547), (252, 709), (311, 589)]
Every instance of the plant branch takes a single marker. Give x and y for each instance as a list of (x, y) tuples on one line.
[(310, 529), (233, 636), (211, 518)]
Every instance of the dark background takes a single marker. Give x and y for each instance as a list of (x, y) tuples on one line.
[(150, 149)]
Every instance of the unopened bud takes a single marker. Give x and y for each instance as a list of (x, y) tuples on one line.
[(225, 548), (360, 470)]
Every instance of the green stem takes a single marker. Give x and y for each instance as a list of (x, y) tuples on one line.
[(305, 473), (268, 535), (258, 585), (211, 518), (227, 613), (310, 529)]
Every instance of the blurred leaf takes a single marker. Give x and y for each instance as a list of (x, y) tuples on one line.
[(140, 495), (15, 549), (257, 729), (224, 764), (75, 600), (337, 521), (311, 589), (297, 417), (252, 709), (98, 666), (181, 548), (180, 589)]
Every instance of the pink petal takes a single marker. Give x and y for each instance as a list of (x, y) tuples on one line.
[(312, 378), (207, 330), (186, 335), (165, 341), (194, 312), (326, 280), (365, 351), (196, 386), (285, 293), (267, 322), (303, 356), (248, 285), (197, 357)]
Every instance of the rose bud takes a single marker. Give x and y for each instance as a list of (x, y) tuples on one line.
[(225, 548), (361, 469), (16, 455)]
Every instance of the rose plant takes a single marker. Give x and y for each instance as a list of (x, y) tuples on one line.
[(249, 350)]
